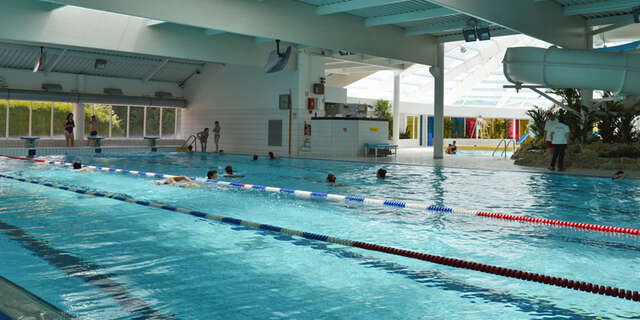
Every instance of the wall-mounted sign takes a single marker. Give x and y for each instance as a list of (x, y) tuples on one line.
[(284, 101), (373, 129)]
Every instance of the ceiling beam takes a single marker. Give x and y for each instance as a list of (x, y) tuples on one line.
[(441, 27), (603, 6), (459, 37), (264, 19), (30, 23), (211, 32), (352, 5), (595, 22), (408, 17), (542, 20), (152, 22), (156, 70), (55, 62)]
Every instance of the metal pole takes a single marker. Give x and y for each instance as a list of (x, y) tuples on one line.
[(290, 119)]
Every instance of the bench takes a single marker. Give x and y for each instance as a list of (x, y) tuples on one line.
[(386, 148)]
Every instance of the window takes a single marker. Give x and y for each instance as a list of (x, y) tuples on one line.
[(168, 122), (118, 121), (60, 112), (88, 112), (412, 128), (153, 122), (136, 121), (41, 118), (47, 119), (102, 113), (19, 118), (3, 118)]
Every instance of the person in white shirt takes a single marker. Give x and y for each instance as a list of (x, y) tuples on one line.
[(559, 140), (548, 127)]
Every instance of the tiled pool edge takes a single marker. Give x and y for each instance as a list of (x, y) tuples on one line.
[(18, 303), (24, 152)]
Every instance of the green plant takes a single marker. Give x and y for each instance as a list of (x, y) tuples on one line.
[(406, 134), (382, 111), (577, 117), (539, 117), (626, 150)]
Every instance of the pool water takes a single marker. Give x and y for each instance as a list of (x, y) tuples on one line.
[(98, 258)]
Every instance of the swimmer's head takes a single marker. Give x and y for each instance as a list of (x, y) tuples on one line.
[(619, 175), (190, 148), (221, 151), (331, 178), (77, 165), (381, 174), (228, 170), (271, 155), (255, 157), (212, 174)]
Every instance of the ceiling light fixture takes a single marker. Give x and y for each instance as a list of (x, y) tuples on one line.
[(100, 64), (39, 59), (483, 33)]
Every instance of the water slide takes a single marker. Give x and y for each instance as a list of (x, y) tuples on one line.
[(524, 136), (618, 72)]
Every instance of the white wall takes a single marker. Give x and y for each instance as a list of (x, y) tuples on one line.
[(22, 79), (243, 99), (336, 95)]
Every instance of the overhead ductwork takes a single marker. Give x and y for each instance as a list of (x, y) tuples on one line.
[(568, 68), (71, 97)]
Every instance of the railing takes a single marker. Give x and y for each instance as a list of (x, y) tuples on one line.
[(191, 140), (506, 142)]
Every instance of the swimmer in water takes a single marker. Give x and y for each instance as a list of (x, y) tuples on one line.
[(381, 174), (212, 174), (330, 179), (255, 157), (77, 166), (619, 175), (272, 156), (228, 172)]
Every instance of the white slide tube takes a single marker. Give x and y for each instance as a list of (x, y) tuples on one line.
[(568, 68)]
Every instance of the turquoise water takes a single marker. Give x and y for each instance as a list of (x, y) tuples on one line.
[(98, 258)]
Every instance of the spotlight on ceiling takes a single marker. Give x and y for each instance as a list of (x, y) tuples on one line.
[(483, 33), (100, 64), (636, 14), (470, 35)]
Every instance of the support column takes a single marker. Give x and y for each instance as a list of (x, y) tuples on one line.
[(437, 71), (396, 107), (78, 118)]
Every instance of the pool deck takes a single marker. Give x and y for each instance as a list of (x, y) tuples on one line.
[(424, 156)]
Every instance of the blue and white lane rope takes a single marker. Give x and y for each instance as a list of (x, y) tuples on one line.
[(452, 262), (365, 201)]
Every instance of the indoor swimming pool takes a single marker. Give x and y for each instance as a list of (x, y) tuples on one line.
[(98, 258)]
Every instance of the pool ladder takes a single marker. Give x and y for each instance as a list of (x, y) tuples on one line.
[(191, 140), (506, 142)]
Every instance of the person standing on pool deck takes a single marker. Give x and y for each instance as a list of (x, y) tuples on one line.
[(93, 123), (216, 133), (559, 139), (203, 136), (548, 127), (68, 130)]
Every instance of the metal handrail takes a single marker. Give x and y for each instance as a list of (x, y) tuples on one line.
[(507, 142), (189, 141)]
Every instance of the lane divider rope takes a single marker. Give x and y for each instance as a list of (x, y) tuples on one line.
[(451, 262), (365, 201)]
